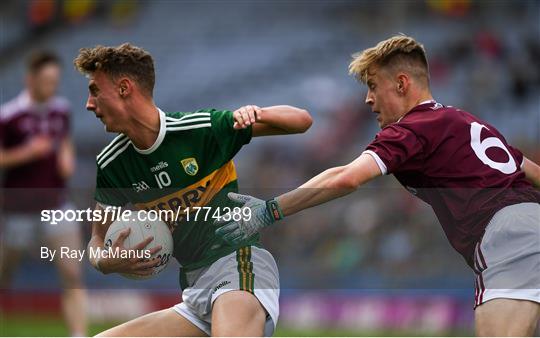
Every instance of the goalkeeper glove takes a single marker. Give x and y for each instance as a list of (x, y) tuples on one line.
[(263, 214)]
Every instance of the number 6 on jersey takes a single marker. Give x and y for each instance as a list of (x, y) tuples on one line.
[(480, 148)]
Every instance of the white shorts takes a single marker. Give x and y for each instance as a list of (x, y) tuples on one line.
[(251, 269), (507, 259), (21, 231)]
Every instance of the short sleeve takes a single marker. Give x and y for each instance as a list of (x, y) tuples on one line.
[(106, 193), (229, 140), (396, 149)]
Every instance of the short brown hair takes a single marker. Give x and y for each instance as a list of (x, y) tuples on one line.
[(40, 58), (400, 52), (124, 60)]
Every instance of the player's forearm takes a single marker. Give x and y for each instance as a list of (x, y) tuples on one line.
[(322, 188), (330, 184), (97, 239), (532, 172), (290, 119), (66, 158), (15, 157)]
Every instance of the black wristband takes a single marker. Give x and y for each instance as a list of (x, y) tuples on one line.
[(273, 206)]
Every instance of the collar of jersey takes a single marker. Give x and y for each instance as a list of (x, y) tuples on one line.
[(25, 102), (161, 136), (421, 103)]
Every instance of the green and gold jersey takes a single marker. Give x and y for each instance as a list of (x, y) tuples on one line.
[(189, 165)]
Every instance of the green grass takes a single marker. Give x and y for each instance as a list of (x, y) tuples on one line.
[(284, 332), (48, 326), (44, 326)]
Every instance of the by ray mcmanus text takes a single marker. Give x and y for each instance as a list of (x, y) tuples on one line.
[(65, 252)]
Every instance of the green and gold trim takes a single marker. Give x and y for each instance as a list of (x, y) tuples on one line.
[(245, 269)]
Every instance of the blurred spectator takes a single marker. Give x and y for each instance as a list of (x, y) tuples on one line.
[(37, 157)]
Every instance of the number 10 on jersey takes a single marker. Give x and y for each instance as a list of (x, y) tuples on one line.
[(163, 179)]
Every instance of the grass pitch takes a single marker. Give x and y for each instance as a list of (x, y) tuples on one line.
[(53, 326)]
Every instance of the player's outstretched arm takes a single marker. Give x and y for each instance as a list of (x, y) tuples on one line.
[(274, 120), (328, 185), (532, 171)]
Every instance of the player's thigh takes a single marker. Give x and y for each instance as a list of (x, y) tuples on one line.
[(507, 317), (18, 231), (238, 313), (17, 235), (69, 266), (9, 259), (66, 234), (164, 323)]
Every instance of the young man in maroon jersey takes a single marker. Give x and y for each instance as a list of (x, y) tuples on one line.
[(37, 158), (478, 185)]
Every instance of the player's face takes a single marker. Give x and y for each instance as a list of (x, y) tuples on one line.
[(105, 101), (383, 96), (44, 83)]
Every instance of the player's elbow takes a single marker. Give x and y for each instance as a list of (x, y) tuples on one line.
[(300, 121), (305, 120), (346, 180)]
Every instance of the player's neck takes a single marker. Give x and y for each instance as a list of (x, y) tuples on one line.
[(143, 128), (413, 101), (419, 99), (35, 98)]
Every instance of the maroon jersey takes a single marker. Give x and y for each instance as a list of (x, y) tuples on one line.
[(458, 164), (20, 120)]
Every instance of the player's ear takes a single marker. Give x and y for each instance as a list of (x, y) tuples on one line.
[(125, 87), (402, 83)]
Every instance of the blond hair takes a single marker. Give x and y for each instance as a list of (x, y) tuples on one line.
[(124, 60), (398, 53)]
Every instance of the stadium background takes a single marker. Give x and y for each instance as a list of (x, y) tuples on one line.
[(374, 263)]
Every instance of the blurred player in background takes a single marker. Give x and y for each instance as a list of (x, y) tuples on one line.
[(480, 187), (175, 161), (37, 157)]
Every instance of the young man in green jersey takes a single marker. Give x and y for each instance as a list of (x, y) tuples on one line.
[(176, 161)]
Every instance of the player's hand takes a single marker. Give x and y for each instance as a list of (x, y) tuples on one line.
[(134, 266), (246, 116), (39, 146), (262, 215)]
